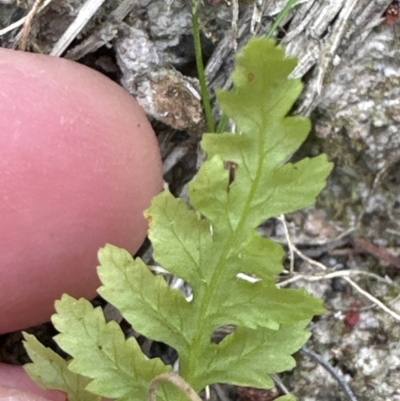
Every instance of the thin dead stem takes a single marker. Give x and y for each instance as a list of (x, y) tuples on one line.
[(235, 19), (342, 274), (177, 381), (289, 242), (26, 28), (279, 383), (337, 375), (372, 298)]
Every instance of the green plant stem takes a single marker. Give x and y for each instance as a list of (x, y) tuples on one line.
[(200, 67), (289, 5)]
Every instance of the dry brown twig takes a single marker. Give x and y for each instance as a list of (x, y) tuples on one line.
[(26, 28)]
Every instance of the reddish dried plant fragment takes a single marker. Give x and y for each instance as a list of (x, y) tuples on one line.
[(353, 316), (392, 14), (257, 394)]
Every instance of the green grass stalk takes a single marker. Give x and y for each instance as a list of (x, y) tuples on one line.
[(289, 5)]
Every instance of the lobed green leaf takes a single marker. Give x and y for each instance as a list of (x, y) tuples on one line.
[(51, 371), (209, 245), (145, 300), (261, 351), (117, 366)]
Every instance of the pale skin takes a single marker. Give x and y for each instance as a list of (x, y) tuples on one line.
[(79, 165), (15, 385)]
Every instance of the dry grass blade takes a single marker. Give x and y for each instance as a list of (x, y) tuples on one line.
[(28, 24), (85, 14), (104, 34)]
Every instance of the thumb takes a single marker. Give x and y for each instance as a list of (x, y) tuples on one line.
[(11, 394), (16, 385)]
